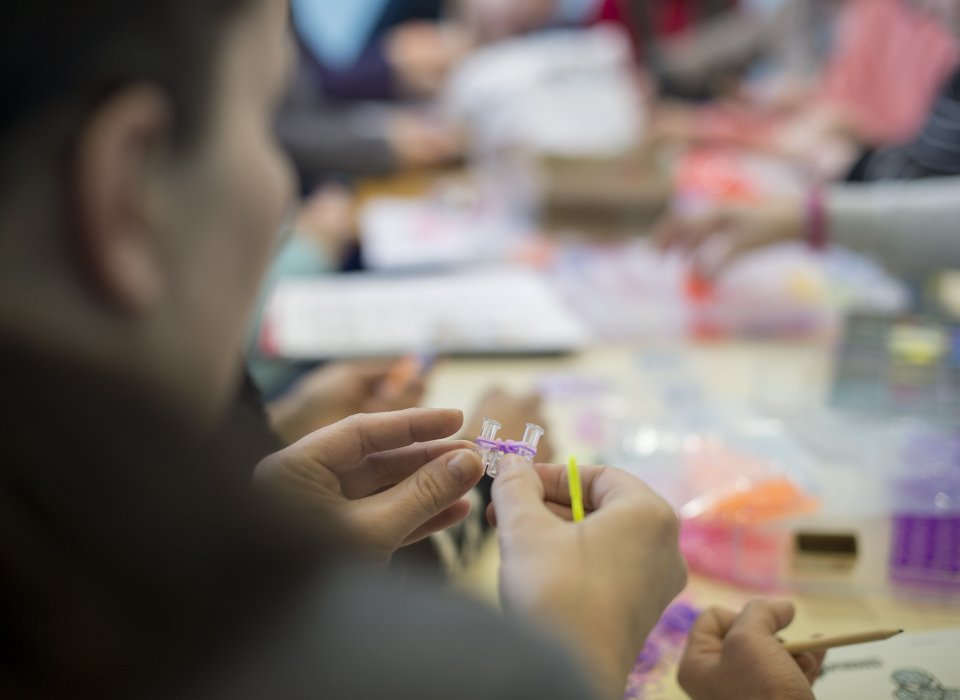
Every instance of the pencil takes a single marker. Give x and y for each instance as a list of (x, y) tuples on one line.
[(795, 648), (576, 490)]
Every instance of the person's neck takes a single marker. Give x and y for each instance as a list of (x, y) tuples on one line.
[(94, 344)]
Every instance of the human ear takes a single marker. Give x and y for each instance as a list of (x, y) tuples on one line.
[(115, 158)]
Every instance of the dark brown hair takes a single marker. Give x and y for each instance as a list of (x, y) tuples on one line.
[(72, 54)]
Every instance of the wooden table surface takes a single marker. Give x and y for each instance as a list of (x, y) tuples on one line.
[(755, 374), (739, 372)]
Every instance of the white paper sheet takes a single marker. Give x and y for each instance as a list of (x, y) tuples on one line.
[(913, 666), (481, 311)]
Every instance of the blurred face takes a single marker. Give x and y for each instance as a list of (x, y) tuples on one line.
[(147, 249), (218, 208)]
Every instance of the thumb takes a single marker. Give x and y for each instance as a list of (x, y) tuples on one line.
[(518, 495), (424, 495)]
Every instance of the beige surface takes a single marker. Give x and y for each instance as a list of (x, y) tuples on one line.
[(761, 375), (756, 374)]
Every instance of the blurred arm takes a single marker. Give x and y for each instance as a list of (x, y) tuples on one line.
[(324, 138), (913, 226)]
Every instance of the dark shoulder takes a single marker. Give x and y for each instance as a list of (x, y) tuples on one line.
[(365, 637)]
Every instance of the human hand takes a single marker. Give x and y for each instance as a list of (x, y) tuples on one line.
[(673, 121), (602, 583), (422, 54), (388, 477), (739, 657), (326, 217), (418, 141), (513, 413), (718, 238), (339, 390), (822, 140)]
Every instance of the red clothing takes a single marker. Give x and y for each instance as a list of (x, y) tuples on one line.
[(671, 17)]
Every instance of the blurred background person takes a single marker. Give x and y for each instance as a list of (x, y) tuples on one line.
[(911, 226), (354, 60), (828, 87)]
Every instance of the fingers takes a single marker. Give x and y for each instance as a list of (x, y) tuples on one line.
[(556, 488), (353, 373), (719, 261), (518, 494), (708, 632), (341, 446), (742, 651), (763, 617), (371, 370), (704, 644), (757, 618), (414, 392), (602, 486), (712, 626), (401, 386), (512, 411), (424, 495), (665, 233), (502, 400), (532, 400), (561, 511), (453, 515), (382, 469), (701, 229), (411, 395), (605, 487), (687, 234), (811, 663)]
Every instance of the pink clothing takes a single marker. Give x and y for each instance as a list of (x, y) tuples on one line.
[(889, 63)]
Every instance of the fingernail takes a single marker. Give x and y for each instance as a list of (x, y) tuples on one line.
[(465, 466), (508, 462)]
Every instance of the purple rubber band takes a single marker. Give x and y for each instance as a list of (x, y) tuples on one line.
[(508, 447), (679, 617)]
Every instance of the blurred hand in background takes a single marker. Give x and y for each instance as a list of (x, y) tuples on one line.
[(732, 656), (513, 412), (339, 390), (716, 239), (422, 54), (326, 218), (419, 141)]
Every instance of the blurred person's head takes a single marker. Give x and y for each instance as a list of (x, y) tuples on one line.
[(140, 186)]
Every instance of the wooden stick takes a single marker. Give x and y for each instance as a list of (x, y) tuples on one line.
[(795, 648)]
